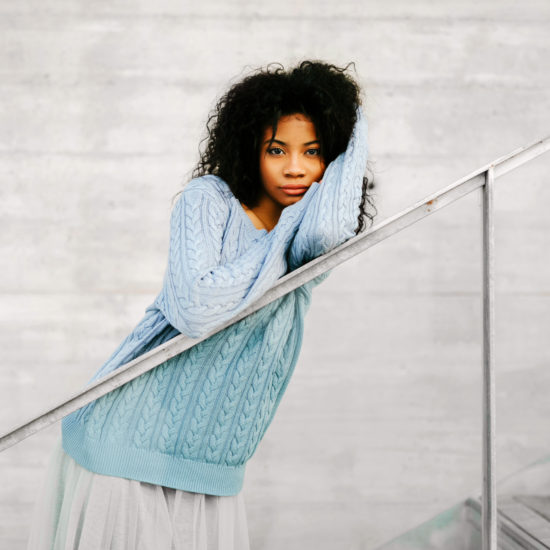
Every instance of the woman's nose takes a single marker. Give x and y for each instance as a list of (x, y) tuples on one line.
[(293, 167)]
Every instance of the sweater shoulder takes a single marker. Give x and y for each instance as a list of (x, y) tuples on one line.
[(204, 200), (212, 188)]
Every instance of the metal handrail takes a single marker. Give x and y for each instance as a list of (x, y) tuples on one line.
[(482, 177)]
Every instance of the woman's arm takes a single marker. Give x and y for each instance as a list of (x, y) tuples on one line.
[(331, 216), (200, 292)]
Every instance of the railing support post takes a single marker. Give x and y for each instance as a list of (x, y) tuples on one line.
[(489, 498)]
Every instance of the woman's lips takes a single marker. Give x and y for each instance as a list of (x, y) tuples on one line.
[(294, 189)]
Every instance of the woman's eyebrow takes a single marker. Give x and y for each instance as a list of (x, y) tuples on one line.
[(283, 143)]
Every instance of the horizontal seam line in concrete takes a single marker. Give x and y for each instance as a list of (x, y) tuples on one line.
[(231, 16), (112, 78)]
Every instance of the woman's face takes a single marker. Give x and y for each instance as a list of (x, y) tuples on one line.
[(291, 162)]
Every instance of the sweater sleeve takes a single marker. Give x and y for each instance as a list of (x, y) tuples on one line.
[(200, 291), (331, 217)]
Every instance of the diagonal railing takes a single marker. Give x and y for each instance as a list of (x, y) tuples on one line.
[(483, 177)]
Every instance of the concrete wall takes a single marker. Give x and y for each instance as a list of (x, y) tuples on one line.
[(102, 105)]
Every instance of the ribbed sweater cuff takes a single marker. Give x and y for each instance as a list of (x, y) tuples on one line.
[(150, 466)]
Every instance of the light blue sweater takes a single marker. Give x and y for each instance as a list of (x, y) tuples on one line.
[(194, 421)]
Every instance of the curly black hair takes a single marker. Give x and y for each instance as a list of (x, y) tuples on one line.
[(323, 92)]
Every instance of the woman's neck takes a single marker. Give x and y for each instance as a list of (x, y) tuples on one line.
[(264, 215)]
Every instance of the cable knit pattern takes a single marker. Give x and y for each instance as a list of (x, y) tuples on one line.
[(193, 422)]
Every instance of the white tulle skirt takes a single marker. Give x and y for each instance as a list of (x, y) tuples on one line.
[(79, 509)]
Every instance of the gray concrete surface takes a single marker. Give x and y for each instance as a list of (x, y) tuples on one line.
[(102, 105)]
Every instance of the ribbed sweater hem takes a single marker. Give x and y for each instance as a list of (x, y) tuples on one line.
[(149, 465)]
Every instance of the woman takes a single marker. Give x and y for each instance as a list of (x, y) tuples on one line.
[(159, 463)]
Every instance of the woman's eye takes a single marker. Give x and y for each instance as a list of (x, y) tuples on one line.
[(276, 151), (313, 152)]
